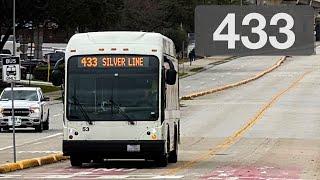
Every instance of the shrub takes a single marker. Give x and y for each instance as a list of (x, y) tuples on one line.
[(41, 73)]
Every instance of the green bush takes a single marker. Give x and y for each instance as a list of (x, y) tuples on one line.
[(41, 73)]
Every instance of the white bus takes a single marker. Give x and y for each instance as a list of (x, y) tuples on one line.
[(121, 97)]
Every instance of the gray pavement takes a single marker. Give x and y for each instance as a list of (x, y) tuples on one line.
[(283, 143), (30, 143)]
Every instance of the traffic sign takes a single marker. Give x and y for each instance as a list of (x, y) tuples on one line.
[(11, 69)]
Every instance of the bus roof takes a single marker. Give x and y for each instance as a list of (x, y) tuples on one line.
[(130, 39)]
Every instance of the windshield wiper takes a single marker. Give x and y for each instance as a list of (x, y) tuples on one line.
[(122, 112), (84, 113)]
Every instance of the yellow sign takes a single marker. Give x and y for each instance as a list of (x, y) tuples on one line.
[(109, 62)]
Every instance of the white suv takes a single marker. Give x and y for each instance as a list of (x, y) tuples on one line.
[(30, 108)]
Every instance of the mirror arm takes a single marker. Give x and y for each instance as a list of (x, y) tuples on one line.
[(169, 62)]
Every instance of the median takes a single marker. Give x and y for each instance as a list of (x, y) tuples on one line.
[(28, 163)]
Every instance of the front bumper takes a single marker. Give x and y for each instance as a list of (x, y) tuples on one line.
[(112, 149), (25, 121)]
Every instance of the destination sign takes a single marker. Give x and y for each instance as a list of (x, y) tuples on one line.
[(113, 61)]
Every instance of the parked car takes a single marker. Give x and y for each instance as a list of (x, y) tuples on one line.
[(5, 52), (31, 109), (9, 45)]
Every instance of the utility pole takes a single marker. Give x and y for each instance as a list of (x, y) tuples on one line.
[(12, 82)]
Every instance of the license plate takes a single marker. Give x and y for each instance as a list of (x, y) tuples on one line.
[(133, 148), (17, 121)]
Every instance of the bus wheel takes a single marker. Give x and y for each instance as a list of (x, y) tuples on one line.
[(173, 155), (162, 161), (75, 161)]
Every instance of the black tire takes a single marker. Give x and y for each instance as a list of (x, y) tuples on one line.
[(98, 160), (46, 124), (39, 128), (173, 155), (75, 161), (162, 160)]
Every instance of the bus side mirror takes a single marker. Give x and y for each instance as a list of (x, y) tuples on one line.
[(57, 77), (171, 76), (57, 73)]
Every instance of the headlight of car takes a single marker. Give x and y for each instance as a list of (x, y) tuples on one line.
[(34, 109), (1, 110)]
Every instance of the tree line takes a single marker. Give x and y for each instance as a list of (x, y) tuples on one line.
[(173, 18)]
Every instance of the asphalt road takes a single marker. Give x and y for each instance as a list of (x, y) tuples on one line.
[(267, 129), (29, 142)]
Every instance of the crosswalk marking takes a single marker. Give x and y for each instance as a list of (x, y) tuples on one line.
[(90, 173)]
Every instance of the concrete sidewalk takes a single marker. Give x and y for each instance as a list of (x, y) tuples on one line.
[(185, 69), (35, 82)]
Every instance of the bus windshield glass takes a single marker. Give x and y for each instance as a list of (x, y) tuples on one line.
[(113, 88)]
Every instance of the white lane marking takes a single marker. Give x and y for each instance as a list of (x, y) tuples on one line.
[(4, 148), (58, 176), (128, 170), (167, 177), (91, 174), (138, 176), (113, 177), (10, 176), (104, 169), (253, 177), (56, 115), (33, 152), (121, 169), (37, 143), (32, 141)]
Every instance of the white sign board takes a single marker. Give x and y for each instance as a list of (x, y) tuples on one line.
[(11, 69)]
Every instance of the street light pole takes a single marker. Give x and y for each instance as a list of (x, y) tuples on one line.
[(12, 93)]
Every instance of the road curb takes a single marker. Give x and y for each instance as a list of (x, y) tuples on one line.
[(28, 163), (228, 86)]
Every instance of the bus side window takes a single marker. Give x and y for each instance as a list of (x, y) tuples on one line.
[(163, 94)]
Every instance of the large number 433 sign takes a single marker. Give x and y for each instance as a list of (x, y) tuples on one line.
[(252, 30), (231, 37)]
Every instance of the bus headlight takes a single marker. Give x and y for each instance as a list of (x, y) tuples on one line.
[(34, 109)]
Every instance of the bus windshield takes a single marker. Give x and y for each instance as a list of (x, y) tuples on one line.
[(113, 88)]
